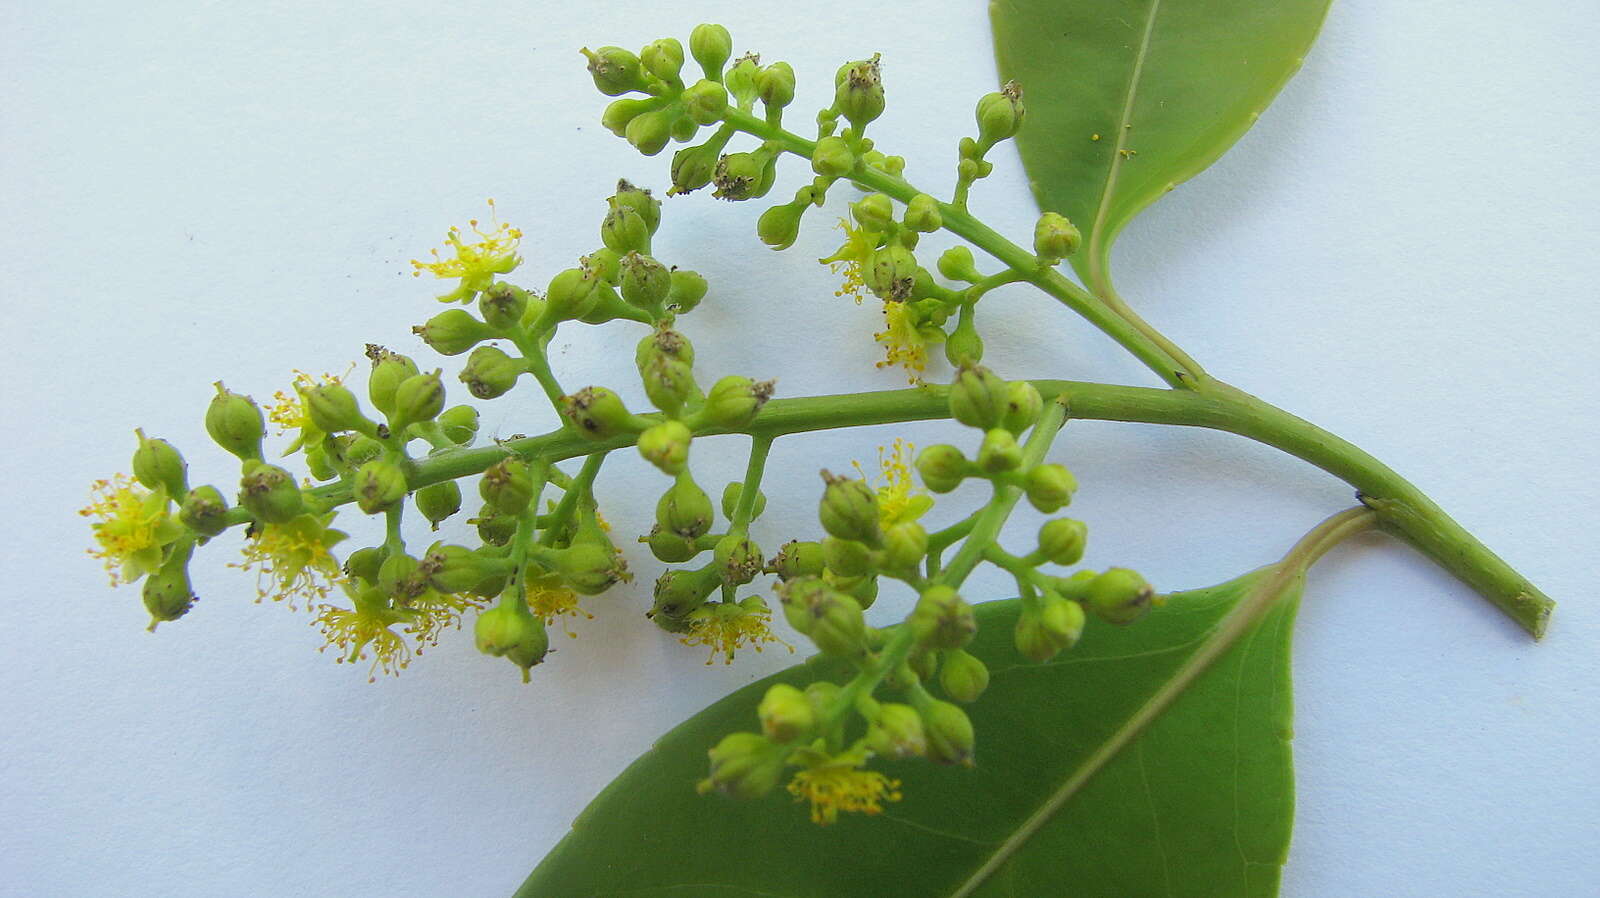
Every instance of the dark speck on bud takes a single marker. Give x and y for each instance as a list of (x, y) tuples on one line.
[(204, 511), (1000, 114), (693, 167), (625, 229), (438, 501), (388, 370), (734, 401), (977, 398), (1055, 238), (741, 79), (711, 45), (685, 509), (167, 593), (668, 546), (507, 486), (269, 493), (378, 485), (858, 92), (1119, 596), (502, 305), (235, 423), (943, 467), (598, 413), (688, 288), (797, 559), (615, 71), (1023, 404), (742, 176), (666, 445), (639, 200), (490, 373), (949, 731), (645, 282)]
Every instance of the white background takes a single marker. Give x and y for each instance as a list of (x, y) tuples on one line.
[(1403, 250)]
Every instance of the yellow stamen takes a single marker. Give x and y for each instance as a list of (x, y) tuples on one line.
[(839, 784)]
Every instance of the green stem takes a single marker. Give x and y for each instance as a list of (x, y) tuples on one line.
[(750, 490), (1402, 508)]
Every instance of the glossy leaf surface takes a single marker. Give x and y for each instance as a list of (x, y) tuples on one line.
[(1198, 804), (1128, 98)]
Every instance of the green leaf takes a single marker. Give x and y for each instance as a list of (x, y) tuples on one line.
[(1128, 98), (1196, 804)]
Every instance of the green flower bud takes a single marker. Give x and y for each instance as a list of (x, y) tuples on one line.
[(332, 408), (494, 528), (942, 467), (949, 731), (891, 272), (639, 200), (666, 445), (363, 564), (388, 370), (507, 486), (963, 676), (1055, 238), (738, 559), (797, 559), (741, 176), (785, 713), (615, 71), (439, 501), (574, 292), (863, 589), (1046, 631), (904, 546), (858, 92), (734, 401), (453, 332), (489, 372), (167, 593), (235, 423), (779, 226), (624, 230), (730, 500), (663, 58), (1050, 487), (1000, 114), (999, 452), (378, 485), (668, 546), (359, 450), (832, 158), (964, 347), (942, 619), (1022, 406), (649, 132), (741, 79), (922, 214), (589, 568), (688, 288), (693, 167), (775, 85), (706, 101), (849, 509), (598, 413), (831, 619), (956, 263), (896, 732), (204, 511), (875, 212), (619, 113), (502, 305), (743, 765), (398, 578), (157, 464), (269, 493), (645, 282), (452, 569), (504, 631), (318, 462), (1119, 596), (460, 423), (711, 45), (419, 397), (846, 557), (685, 509), (977, 398), (1062, 540), (678, 593)]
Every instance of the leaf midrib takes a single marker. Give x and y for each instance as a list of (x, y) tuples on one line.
[(1097, 228)]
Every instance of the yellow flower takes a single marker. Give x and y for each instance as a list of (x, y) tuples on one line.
[(288, 412), (365, 630), (904, 343), (851, 259), (724, 627), (475, 263), (551, 600), (133, 527), (900, 499), (293, 560), (834, 783), (430, 614)]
